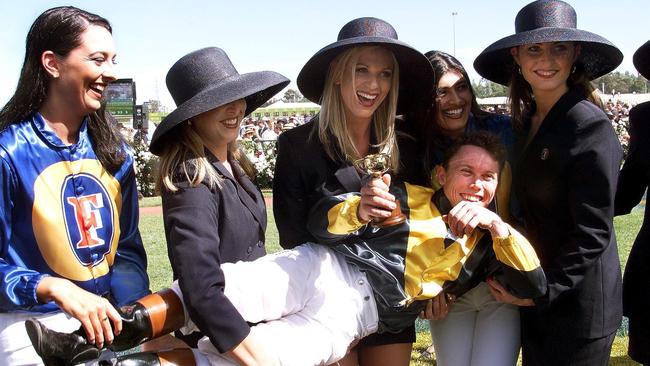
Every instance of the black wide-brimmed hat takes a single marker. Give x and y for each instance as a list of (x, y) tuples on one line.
[(641, 60), (206, 79), (547, 21), (415, 71)]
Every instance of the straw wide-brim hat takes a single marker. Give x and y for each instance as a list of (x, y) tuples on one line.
[(547, 21), (415, 71), (206, 79), (641, 60)]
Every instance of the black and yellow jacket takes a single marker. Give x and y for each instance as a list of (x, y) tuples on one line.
[(416, 260)]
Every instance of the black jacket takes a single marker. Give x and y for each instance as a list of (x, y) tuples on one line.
[(206, 227), (304, 171), (301, 168), (632, 183), (565, 181)]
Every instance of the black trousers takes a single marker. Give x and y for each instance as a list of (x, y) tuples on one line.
[(561, 349), (639, 346)]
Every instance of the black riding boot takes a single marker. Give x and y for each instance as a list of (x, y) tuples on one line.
[(58, 349), (176, 357), (152, 316)]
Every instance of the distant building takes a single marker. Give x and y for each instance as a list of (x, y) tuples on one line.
[(281, 109)]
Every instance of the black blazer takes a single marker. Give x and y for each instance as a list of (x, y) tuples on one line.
[(303, 174), (206, 227), (632, 183), (565, 180)]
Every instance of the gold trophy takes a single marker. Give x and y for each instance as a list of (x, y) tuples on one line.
[(376, 165)]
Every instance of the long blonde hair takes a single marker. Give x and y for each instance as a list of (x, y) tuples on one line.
[(187, 158), (333, 130)]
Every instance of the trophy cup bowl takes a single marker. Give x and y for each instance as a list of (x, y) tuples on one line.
[(376, 165)]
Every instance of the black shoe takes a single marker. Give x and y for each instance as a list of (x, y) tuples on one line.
[(134, 359), (59, 349)]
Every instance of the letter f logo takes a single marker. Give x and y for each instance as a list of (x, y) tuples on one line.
[(88, 218)]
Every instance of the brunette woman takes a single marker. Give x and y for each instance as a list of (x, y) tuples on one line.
[(468, 326), (565, 179), (69, 242)]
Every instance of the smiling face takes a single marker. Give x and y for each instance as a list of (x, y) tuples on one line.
[(546, 66), (471, 175), (220, 126), (453, 103), (81, 77), (364, 90)]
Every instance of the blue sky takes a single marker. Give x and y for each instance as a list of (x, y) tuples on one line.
[(281, 35)]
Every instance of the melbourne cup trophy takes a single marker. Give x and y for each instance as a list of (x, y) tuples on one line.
[(375, 165)]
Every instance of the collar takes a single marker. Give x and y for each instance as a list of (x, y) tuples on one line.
[(50, 137), (442, 202)]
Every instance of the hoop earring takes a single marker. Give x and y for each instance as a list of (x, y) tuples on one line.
[(519, 70), (573, 69)]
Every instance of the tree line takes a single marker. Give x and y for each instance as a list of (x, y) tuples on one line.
[(614, 82)]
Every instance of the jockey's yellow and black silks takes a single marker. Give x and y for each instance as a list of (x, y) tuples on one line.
[(417, 259)]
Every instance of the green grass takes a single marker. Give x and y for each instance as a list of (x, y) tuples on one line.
[(150, 201), (153, 236)]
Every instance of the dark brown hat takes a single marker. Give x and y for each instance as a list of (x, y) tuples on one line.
[(547, 21), (416, 74), (206, 79)]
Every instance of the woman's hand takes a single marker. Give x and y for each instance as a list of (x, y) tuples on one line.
[(501, 294), (467, 216), (94, 312), (438, 307), (376, 202)]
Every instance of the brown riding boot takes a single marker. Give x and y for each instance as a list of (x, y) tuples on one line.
[(150, 317)]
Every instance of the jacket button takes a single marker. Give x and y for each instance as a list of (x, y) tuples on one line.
[(366, 298), (361, 282), (249, 250), (260, 244)]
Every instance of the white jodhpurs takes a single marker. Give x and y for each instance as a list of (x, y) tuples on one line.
[(311, 304)]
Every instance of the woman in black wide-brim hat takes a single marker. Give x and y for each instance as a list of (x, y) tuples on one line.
[(361, 82), (211, 207), (632, 184), (565, 179)]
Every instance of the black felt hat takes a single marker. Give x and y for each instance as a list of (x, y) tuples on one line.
[(415, 71), (641, 60), (206, 79), (547, 21)]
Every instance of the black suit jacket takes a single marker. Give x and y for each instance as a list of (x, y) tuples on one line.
[(205, 227), (632, 183), (303, 174), (565, 180)]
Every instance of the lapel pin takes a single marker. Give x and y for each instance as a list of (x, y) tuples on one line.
[(544, 154)]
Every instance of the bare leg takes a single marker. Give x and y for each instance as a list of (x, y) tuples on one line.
[(395, 354)]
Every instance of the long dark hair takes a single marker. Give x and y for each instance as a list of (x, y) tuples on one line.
[(522, 103), (432, 136), (59, 30)]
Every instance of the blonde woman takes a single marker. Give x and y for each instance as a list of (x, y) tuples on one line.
[(361, 81)]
